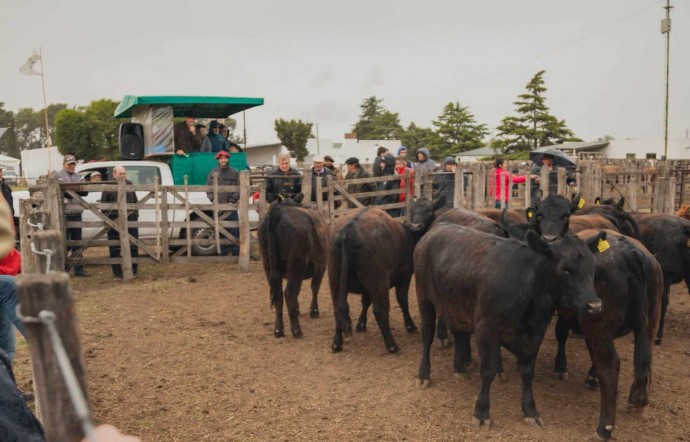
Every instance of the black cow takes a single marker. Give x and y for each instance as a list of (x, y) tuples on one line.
[(551, 216), (469, 218), (293, 242), (370, 252), (502, 290), (629, 282), (667, 236), (613, 211)]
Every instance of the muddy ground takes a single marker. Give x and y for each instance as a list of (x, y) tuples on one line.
[(186, 352)]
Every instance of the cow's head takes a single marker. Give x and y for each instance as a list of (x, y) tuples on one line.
[(517, 231), (610, 202), (551, 216), (285, 200), (423, 213), (571, 266)]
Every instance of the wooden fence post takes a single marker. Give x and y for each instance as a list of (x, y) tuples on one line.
[(319, 195), (42, 242), (165, 227), (306, 187), (561, 182), (544, 181), (187, 217), (216, 218), (408, 194), (428, 188), (458, 192), (263, 207), (51, 292), (331, 195), (632, 193), (244, 221), (418, 178), (123, 225)]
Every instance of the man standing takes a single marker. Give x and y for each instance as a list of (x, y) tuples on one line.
[(356, 171), (227, 176), (6, 192), (319, 172), (132, 216), (68, 175), (402, 153), (285, 181), (377, 167), (185, 136), (328, 164)]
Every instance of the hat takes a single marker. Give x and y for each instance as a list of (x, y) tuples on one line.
[(328, 158), (450, 160), (214, 124), (69, 159), (401, 148), (352, 160), (222, 153), (317, 159), (94, 173), (389, 159)]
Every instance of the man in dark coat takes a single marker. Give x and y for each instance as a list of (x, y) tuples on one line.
[(319, 172), (6, 192), (227, 176), (356, 171), (444, 184), (377, 168), (285, 181), (132, 216), (185, 136)]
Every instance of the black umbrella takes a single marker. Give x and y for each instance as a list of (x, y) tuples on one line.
[(560, 159)]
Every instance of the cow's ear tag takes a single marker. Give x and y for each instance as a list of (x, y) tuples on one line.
[(581, 203), (603, 245), (529, 215)]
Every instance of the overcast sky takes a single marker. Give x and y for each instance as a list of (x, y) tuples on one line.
[(317, 60)]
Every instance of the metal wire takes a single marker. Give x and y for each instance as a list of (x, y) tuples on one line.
[(46, 252)]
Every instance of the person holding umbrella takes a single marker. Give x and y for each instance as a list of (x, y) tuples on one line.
[(551, 159)]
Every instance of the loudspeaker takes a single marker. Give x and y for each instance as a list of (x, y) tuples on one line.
[(131, 141)]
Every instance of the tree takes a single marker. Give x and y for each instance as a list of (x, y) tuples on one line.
[(534, 126), (458, 130), (294, 134), (415, 137), (8, 141), (375, 122), (75, 134), (106, 127)]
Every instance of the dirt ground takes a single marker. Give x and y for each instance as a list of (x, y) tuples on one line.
[(186, 352)]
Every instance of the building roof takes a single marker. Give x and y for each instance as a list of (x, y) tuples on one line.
[(579, 145), (199, 107)]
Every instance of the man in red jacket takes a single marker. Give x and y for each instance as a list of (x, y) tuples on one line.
[(10, 266)]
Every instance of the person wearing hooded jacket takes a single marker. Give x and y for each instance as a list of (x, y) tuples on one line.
[(214, 141), (423, 160)]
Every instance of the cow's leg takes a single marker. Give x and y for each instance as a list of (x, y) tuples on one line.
[(294, 285), (529, 408), (488, 346), (607, 365), (562, 330), (591, 380), (442, 333), (277, 298), (401, 292), (664, 307), (362, 321), (639, 391), (379, 297), (315, 285), (428, 314), (463, 355)]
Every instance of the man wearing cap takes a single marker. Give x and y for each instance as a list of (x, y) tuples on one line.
[(319, 172), (356, 171), (377, 167), (185, 139), (68, 175), (328, 164), (227, 176)]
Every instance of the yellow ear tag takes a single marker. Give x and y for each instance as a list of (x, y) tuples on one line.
[(581, 203), (603, 245), (529, 215)]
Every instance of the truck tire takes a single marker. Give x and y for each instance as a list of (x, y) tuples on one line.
[(207, 248)]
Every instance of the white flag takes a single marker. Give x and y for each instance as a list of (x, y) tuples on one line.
[(28, 67)]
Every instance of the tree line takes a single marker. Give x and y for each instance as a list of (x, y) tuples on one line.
[(455, 130)]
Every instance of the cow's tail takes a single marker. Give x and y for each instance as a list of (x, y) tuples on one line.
[(341, 301), (275, 279), (642, 319)]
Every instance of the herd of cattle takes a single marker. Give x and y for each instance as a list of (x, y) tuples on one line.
[(499, 275)]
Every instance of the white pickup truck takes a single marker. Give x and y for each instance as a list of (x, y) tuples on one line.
[(142, 173)]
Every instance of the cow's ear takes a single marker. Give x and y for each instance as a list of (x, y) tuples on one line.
[(576, 203), (538, 244), (298, 198), (620, 203), (439, 203), (531, 215), (597, 201), (598, 243)]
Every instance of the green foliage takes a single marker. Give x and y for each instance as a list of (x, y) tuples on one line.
[(375, 122), (534, 126), (8, 141), (294, 134), (458, 131), (606, 138), (518, 156), (90, 132), (415, 137)]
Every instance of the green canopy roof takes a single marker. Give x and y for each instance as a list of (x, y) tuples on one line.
[(198, 107)]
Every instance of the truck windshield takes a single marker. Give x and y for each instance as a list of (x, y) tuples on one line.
[(136, 174)]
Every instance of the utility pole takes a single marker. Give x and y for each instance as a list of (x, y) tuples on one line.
[(318, 146), (244, 129), (666, 29)]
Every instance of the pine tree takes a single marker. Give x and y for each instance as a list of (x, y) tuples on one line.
[(458, 130), (375, 122), (534, 126), (294, 135)]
